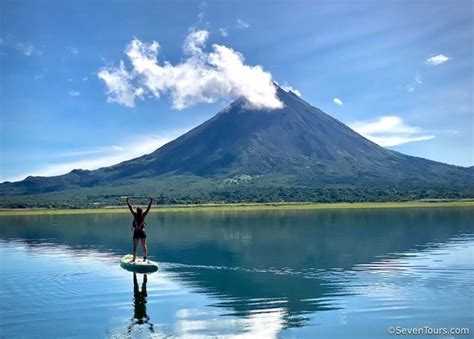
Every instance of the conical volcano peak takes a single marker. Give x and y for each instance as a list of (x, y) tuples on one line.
[(287, 90), (243, 139), (282, 95), (289, 153), (286, 97)]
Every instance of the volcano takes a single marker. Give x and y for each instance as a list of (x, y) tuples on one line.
[(296, 153)]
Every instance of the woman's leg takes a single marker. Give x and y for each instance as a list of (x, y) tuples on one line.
[(135, 245), (144, 247)]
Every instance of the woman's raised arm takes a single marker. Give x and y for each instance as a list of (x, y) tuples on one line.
[(130, 206), (148, 208)]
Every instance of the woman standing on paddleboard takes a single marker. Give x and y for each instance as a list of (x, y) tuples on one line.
[(138, 228)]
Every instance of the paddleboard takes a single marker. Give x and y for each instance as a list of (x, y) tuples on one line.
[(139, 265)]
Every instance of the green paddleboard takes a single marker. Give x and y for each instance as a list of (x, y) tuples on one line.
[(139, 265)]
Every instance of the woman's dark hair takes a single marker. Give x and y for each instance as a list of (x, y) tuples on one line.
[(139, 211)]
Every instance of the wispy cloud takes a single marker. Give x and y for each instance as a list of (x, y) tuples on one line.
[(102, 156), (28, 49), (202, 77), (74, 93), (223, 32), (389, 131), (437, 60), (73, 50), (242, 24), (411, 87), (202, 14), (89, 151), (337, 101)]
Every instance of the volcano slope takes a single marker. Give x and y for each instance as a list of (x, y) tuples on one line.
[(297, 153)]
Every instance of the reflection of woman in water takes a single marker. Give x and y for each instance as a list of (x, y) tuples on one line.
[(139, 302)]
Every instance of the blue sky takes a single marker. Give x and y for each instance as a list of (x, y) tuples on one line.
[(399, 72)]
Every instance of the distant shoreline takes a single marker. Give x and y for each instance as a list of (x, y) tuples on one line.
[(244, 207)]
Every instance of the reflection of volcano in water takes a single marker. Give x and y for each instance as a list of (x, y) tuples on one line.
[(246, 292), (256, 262)]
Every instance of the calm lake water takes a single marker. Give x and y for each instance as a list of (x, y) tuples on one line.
[(326, 274)]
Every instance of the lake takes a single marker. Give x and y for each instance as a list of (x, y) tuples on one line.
[(298, 274)]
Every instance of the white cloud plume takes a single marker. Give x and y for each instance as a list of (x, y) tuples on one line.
[(389, 131), (337, 101), (119, 87), (90, 159), (201, 77), (74, 93), (437, 59), (242, 24), (289, 88)]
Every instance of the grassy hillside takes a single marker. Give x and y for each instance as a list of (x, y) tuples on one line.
[(238, 189), (243, 207)]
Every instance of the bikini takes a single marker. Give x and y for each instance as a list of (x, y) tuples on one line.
[(139, 232)]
